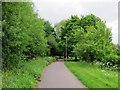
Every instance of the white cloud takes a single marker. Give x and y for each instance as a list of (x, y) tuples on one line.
[(66, 1), (54, 11)]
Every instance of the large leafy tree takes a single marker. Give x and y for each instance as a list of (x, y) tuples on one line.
[(23, 34), (95, 44), (88, 38), (94, 40), (67, 31), (51, 38), (58, 31)]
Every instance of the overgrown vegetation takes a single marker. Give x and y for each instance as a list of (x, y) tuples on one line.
[(23, 39), (93, 76), (26, 36), (26, 76)]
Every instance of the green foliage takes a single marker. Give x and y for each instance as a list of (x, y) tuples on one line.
[(88, 20), (66, 30), (27, 76), (58, 30), (94, 43), (58, 27), (70, 27), (48, 28), (88, 38), (51, 38), (111, 60), (26, 36), (22, 39), (92, 76), (117, 47)]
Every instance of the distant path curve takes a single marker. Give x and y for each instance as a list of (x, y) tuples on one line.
[(57, 75)]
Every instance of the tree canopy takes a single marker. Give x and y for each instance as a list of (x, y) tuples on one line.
[(88, 38), (26, 36)]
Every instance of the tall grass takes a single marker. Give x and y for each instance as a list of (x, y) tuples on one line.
[(27, 76)]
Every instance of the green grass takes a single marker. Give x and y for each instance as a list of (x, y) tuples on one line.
[(93, 76), (27, 76)]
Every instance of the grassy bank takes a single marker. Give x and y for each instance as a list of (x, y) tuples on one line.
[(27, 76), (93, 76)]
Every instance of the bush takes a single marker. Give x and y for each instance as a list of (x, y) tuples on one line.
[(111, 62), (112, 58)]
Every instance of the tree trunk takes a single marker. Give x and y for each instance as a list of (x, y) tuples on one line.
[(75, 58)]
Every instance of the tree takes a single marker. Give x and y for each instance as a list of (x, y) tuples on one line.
[(88, 38), (22, 39), (51, 38), (58, 30), (67, 30), (94, 42)]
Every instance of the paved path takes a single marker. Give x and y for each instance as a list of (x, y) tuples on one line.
[(57, 75)]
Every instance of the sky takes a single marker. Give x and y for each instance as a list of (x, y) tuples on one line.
[(57, 10)]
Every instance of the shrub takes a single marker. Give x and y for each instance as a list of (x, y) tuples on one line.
[(111, 60)]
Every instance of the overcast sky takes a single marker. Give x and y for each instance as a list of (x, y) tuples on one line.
[(56, 10)]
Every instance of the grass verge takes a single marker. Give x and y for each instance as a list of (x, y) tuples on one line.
[(93, 76), (27, 76)]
